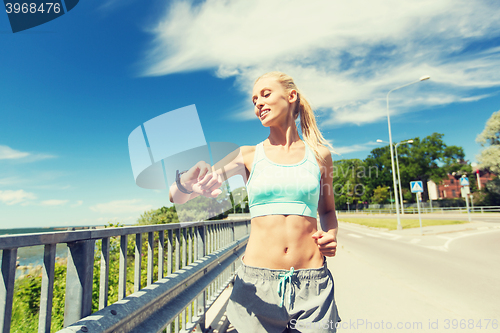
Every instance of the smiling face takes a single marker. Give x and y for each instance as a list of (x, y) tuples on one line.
[(272, 103)]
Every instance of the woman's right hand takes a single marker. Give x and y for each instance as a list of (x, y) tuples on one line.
[(202, 180)]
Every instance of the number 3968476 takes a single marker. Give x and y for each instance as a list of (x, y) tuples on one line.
[(27, 8)]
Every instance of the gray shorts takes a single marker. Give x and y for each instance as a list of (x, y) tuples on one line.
[(306, 297)]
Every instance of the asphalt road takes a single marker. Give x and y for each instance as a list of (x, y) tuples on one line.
[(487, 217), (395, 282)]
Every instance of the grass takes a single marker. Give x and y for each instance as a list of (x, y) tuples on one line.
[(391, 224)]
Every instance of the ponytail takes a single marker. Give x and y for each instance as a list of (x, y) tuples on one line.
[(310, 131)]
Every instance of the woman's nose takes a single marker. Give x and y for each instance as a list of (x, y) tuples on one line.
[(259, 104)]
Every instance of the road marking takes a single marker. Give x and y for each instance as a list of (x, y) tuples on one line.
[(444, 237), (437, 248), (355, 236), (393, 237), (415, 240), (466, 235), (373, 235)]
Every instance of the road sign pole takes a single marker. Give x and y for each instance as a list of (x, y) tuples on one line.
[(419, 217), (467, 204), (464, 182)]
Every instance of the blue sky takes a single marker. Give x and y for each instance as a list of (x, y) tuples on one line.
[(73, 89)]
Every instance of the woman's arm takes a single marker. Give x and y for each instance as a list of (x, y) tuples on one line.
[(327, 237), (205, 180)]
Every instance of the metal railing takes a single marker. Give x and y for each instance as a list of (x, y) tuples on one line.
[(200, 262), (413, 210)]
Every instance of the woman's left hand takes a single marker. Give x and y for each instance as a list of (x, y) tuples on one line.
[(327, 243)]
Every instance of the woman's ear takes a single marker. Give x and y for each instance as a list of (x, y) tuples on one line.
[(292, 96)]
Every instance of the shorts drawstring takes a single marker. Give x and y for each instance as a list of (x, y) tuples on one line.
[(284, 277)]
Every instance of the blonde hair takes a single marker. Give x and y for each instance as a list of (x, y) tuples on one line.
[(310, 131)]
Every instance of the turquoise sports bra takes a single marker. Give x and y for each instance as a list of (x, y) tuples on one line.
[(283, 189)]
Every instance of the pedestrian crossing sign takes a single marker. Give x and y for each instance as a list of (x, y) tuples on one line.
[(416, 186), (464, 181)]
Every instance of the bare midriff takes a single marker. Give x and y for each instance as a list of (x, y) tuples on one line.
[(282, 242)]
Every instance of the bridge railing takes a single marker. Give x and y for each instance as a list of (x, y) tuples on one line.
[(196, 261)]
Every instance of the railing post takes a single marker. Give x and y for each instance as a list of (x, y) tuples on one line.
[(190, 246), (79, 276), (169, 252), (177, 259), (122, 279), (8, 276), (184, 247), (151, 254), (47, 290), (232, 236), (104, 277), (201, 238), (138, 262), (184, 263), (161, 253)]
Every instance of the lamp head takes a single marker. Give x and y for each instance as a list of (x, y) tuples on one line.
[(378, 140), (409, 141), (423, 78)]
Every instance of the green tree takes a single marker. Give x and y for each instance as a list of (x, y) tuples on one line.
[(349, 178), (378, 163), (489, 158), (161, 215), (426, 159), (381, 195)]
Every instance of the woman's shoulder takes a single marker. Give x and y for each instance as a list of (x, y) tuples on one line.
[(324, 151), (325, 154), (247, 149), (248, 153)]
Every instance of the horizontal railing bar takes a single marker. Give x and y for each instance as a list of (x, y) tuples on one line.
[(196, 319), (156, 321), (160, 303), (34, 239)]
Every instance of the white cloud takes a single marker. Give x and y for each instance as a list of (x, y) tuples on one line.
[(7, 153), (11, 197), (53, 202), (121, 207), (122, 220), (78, 203), (111, 5), (357, 147), (344, 55)]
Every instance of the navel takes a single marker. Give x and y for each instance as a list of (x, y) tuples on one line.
[(286, 249)]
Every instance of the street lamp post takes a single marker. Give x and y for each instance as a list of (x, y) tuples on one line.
[(390, 192), (399, 175), (392, 150), (234, 200), (398, 180)]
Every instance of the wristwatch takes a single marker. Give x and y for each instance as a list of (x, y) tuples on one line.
[(178, 182)]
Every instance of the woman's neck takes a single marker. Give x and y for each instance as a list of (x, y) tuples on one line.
[(284, 136)]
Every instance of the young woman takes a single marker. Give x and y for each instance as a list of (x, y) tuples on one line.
[(283, 284)]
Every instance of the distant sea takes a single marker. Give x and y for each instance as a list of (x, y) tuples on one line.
[(33, 255)]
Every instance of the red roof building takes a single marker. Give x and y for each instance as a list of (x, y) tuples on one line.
[(450, 187)]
